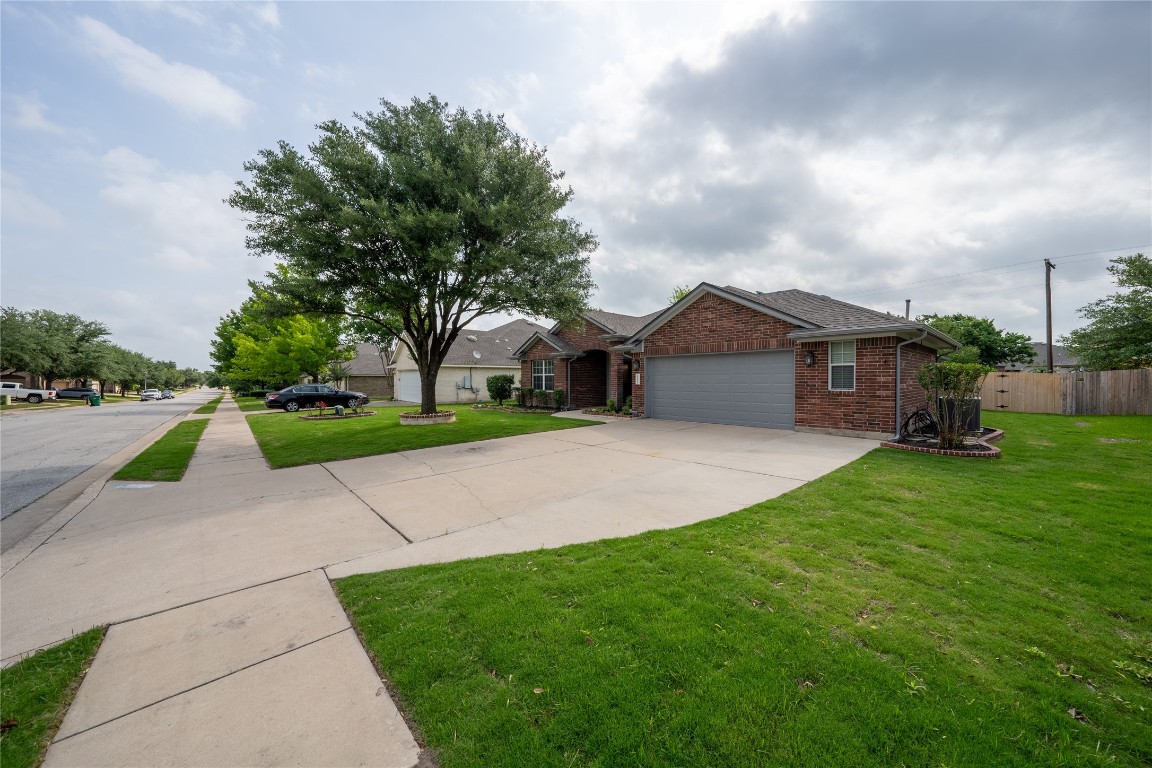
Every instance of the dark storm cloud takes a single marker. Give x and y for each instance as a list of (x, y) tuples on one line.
[(856, 69)]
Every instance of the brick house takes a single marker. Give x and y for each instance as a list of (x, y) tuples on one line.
[(785, 360), (369, 372)]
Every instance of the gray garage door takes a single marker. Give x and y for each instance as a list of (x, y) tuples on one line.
[(754, 389)]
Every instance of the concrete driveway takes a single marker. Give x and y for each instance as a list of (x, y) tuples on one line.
[(216, 589)]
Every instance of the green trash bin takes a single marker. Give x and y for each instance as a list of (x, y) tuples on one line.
[(93, 399)]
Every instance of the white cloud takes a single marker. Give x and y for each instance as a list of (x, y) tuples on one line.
[(265, 13), (30, 115), (20, 208), (188, 88), (182, 216)]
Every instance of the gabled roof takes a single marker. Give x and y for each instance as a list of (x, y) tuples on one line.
[(497, 347), (617, 324), (563, 348), (369, 361), (815, 316)]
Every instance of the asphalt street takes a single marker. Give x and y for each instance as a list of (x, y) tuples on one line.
[(42, 450)]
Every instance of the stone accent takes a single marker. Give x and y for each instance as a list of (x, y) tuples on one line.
[(992, 453)]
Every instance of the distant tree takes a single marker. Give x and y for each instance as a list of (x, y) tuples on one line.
[(416, 222), (678, 293), (993, 346), (50, 344), (256, 344), (1119, 333)]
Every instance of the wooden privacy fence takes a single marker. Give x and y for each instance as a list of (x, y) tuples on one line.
[(1089, 393)]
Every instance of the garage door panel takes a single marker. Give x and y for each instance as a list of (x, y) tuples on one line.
[(752, 388)]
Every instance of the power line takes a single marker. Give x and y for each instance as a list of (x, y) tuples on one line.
[(1037, 286), (1071, 258)]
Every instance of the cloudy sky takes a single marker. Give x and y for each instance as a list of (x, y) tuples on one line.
[(869, 151)]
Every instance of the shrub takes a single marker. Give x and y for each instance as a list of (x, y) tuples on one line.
[(558, 398), (950, 386), (500, 387), (529, 396), (612, 406), (628, 404)]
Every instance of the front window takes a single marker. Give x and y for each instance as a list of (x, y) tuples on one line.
[(542, 377), (842, 365)]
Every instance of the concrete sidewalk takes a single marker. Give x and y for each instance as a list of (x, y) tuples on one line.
[(228, 646)]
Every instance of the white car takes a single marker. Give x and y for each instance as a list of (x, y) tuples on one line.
[(150, 394)]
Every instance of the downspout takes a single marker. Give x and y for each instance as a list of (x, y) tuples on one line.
[(921, 337)]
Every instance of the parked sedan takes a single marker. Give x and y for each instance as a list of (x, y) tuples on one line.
[(76, 393), (308, 395), (150, 394)]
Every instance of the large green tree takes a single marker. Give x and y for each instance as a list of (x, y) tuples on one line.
[(258, 345), (417, 220), (51, 345), (1119, 332), (982, 341)]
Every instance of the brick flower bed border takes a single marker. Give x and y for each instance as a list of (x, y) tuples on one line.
[(417, 419), (598, 412), (329, 416), (992, 453), (512, 409)]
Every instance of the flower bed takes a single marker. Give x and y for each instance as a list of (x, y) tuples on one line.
[(512, 409), (980, 449), (417, 419), (613, 414), (346, 415)]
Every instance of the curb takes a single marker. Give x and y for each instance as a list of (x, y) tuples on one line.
[(90, 483)]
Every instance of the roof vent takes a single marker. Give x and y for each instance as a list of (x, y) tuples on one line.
[(471, 338)]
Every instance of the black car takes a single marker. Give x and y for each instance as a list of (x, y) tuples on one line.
[(308, 395), (76, 393)]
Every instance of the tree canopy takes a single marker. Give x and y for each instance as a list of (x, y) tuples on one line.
[(51, 344), (417, 221), (256, 346), (982, 341), (1119, 332)]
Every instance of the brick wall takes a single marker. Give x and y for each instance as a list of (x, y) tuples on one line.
[(589, 383), (871, 406), (542, 350), (584, 336), (376, 386)]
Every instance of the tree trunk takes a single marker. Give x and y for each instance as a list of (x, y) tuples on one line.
[(428, 389)]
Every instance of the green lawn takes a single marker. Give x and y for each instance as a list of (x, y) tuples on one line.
[(904, 610), (167, 458), (288, 441), (210, 406), (250, 403), (36, 694)]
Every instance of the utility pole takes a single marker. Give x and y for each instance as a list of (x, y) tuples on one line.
[(1048, 267)]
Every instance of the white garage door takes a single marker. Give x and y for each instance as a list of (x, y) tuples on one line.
[(754, 389), (409, 388)]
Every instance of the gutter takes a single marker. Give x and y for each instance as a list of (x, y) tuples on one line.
[(923, 335)]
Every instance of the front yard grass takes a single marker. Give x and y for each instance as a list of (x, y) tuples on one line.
[(289, 441), (904, 610), (250, 403), (210, 406), (37, 692), (167, 459)]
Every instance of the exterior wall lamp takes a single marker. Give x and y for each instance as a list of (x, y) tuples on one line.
[(809, 358)]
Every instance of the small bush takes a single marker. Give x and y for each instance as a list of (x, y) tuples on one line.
[(528, 397), (612, 406), (558, 399), (500, 387), (952, 384)]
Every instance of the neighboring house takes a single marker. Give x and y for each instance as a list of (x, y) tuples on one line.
[(368, 372), (472, 358), (1061, 360), (785, 360)]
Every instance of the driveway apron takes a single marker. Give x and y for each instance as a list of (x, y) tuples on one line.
[(227, 644)]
